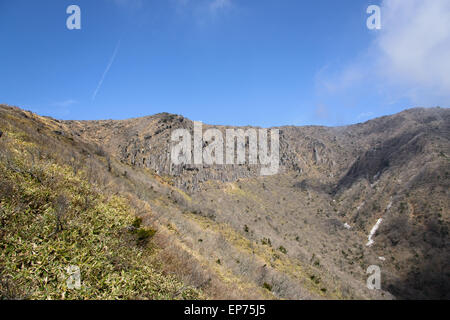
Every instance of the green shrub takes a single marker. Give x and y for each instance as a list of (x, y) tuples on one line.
[(144, 234), (315, 279), (137, 222), (266, 241), (282, 249), (267, 286)]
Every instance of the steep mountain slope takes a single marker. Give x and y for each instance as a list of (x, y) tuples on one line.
[(54, 221), (301, 233)]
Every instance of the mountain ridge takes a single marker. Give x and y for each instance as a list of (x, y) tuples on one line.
[(309, 224)]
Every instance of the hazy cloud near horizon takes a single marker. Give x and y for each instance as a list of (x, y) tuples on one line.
[(409, 58), (415, 44)]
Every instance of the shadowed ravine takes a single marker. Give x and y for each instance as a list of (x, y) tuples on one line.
[(227, 232)]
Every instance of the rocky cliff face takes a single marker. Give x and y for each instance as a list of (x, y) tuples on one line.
[(303, 232), (338, 155), (395, 168)]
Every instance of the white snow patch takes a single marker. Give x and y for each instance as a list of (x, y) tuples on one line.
[(372, 232), (389, 206), (375, 177), (360, 206)]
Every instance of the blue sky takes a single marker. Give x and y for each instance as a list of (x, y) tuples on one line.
[(238, 62)]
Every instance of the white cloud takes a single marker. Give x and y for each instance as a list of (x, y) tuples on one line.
[(217, 5), (365, 115), (414, 43), (64, 104), (409, 57), (203, 11), (335, 81)]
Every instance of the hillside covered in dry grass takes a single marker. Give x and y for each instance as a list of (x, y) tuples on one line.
[(53, 216), (224, 231)]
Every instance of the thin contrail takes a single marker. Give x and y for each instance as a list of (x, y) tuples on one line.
[(111, 61)]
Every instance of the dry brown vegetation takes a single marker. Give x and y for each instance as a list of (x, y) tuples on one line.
[(232, 234)]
